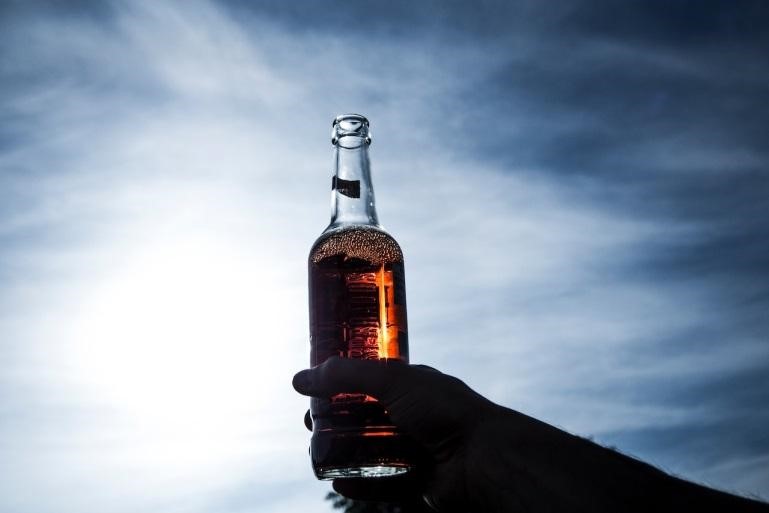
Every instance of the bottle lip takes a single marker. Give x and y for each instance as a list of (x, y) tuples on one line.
[(350, 126)]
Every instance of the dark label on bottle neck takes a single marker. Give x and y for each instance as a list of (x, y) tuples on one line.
[(350, 188)]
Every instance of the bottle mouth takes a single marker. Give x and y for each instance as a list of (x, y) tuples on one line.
[(350, 131)]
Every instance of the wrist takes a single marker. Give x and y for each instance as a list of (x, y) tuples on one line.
[(497, 478), (518, 462)]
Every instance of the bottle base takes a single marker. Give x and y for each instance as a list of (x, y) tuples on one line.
[(372, 471), (370, 453)]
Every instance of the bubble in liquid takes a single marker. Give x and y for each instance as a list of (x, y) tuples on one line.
[(369, 244)]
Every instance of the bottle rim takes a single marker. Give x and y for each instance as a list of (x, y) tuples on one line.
[(350, 125)]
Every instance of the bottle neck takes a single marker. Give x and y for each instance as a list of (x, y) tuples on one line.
[(352, 194)]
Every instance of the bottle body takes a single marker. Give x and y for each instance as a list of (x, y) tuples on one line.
[(357, 310), (357, 296)]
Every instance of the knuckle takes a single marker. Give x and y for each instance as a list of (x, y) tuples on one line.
[(332, 366)]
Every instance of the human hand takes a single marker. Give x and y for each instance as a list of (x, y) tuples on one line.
[(484, 457), (438, 411)]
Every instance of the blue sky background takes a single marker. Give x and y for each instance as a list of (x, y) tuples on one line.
[(580, 190)]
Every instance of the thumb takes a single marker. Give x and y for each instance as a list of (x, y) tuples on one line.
[(348, 375)]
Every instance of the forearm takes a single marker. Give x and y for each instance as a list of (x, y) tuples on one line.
[(516, 463)]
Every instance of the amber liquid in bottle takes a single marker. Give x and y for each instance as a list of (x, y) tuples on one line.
[(357, 310)]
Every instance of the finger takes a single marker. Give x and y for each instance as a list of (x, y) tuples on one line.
[(365, 490), (441, 492), (429, 502), (384, 489), (347, 375), (308, 420)]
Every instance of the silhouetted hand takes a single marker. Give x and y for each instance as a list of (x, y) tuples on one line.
[(484, 457), (439, 411)]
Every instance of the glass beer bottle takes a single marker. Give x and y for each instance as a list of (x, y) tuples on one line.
[(357, 310)]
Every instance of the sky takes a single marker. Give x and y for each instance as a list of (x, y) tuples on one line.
[(580, 190)]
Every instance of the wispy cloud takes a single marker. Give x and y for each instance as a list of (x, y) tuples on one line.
[(581, 210)]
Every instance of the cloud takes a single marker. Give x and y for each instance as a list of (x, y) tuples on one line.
[(581, 209)]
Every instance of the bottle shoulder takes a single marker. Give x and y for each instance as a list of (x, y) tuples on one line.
[(366, 242)]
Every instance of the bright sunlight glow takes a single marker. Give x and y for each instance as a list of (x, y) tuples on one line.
[(175, 342)]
